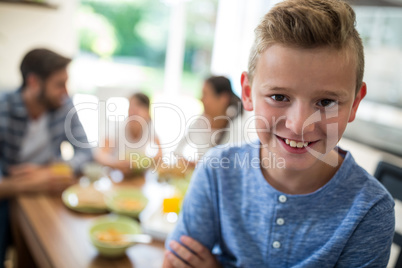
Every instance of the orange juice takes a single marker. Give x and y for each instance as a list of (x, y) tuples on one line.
[(171, 204)]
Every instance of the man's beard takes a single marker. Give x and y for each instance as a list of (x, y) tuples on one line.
[(46, 102)]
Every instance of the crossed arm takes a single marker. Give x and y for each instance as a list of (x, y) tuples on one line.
[(190, 253), (190, 244)]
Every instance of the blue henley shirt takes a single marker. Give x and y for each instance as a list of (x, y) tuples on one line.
[(232, 210)]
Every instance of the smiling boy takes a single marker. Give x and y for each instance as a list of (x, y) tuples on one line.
[(321, 210)]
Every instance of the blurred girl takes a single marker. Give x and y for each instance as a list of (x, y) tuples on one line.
[(135, 139), (217, 125)]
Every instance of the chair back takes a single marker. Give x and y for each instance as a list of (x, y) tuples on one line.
[(391, 177)]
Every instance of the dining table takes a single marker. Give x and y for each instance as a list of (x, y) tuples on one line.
[(47, 234)]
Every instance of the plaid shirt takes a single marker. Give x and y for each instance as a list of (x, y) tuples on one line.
[(63, 125)]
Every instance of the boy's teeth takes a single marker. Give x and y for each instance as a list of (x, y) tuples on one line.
[(294, 144)]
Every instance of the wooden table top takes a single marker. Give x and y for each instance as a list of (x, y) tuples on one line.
[(58, 237)]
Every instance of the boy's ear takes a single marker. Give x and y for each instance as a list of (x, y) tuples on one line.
[(246, 92), (360, 95)]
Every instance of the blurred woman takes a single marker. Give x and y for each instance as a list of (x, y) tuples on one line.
[(135, 139), (219, 124)]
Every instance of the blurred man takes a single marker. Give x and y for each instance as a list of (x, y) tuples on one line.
[(34, 121)]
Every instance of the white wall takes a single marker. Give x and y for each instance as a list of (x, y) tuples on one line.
[(23, 27), (234, 36)]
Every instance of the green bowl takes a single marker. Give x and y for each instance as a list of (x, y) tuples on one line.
[(121, 224), (128, 202)]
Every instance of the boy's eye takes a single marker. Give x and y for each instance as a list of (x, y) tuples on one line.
[(279, 97), (326, 103)]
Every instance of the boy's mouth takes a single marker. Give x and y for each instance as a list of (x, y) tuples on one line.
[(295, 143)]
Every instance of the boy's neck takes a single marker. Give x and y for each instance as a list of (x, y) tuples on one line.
[(297, 182)]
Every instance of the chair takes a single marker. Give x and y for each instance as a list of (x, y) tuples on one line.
[(391, 177)]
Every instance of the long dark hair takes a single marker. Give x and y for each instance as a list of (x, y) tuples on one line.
[(221, 85), (142, 98)]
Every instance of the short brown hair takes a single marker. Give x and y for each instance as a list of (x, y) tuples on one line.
[(309, 24), (43, 63)]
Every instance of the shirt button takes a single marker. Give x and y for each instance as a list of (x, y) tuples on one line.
[(282, 198), (276, 244), (280, 221)]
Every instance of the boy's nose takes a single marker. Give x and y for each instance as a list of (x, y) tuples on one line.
[(301, 119)]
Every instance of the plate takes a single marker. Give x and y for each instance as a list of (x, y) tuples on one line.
[(157, 225), (126, 201), (84, 199)]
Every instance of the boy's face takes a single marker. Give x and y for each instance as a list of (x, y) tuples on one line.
[(303, 100)]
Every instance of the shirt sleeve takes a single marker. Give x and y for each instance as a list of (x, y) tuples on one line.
[(198, 218), (370, 244)]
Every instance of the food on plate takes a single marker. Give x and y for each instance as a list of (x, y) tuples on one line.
[(90, 197), (84, 199), (112, 237), (127, 203), (110, 234)]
